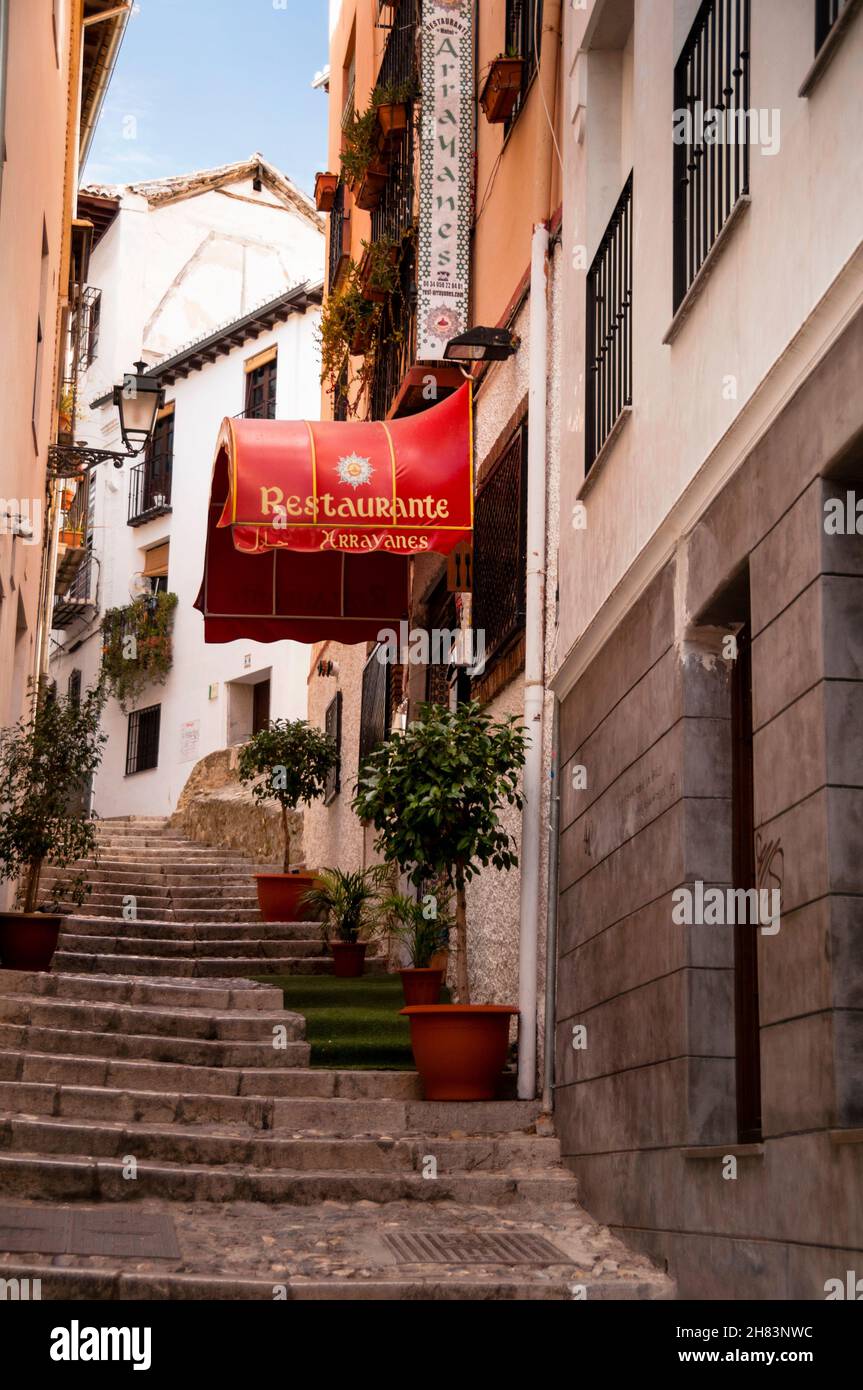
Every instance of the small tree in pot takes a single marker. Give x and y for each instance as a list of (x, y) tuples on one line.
[(350, 906), (46, 763), (287, 762), (435, 794)]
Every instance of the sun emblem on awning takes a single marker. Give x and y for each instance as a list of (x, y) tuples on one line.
[(354, 470)]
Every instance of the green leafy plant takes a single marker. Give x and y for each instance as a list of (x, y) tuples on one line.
[(412, 924), (360, 145), (380, 266), (395, 93), (46, 762), (347, 314), (350, 903), (434, 794), (287, 762), (137, 649)]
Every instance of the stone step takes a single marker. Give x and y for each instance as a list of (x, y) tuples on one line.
[(115, 1283), (156, 878), (177, 894), (247, 947), (193, 1052), (203, 967), (317, 1116), (78, 1177), (211, 1146), (109, 928), (138, 1019), (241, 915), (172, 993)]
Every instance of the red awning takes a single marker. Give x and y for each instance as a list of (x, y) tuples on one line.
[(311, 525), (396, 487)]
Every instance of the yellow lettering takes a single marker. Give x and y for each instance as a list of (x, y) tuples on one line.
[(271, 499)]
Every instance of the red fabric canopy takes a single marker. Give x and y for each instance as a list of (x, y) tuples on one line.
[(311, 525), (400, 487)]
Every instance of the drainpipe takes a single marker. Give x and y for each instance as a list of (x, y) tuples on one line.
[(551, 918), (534, 643)]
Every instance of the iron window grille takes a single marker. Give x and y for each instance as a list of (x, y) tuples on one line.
[(150, 481), (376, 707), (88, 328), (500, 548), (826, 14), (523, 27), (340, 238), (261, 392), (333, 726), (609, 327), (142, 740), (73, 688), (710, 175)]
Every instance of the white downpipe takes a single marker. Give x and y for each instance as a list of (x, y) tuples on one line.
[(534, 690)]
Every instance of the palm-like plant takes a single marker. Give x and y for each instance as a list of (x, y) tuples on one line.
[(349, 902), (421, 935)]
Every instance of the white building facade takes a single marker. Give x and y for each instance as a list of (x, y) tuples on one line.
[(214, 282)]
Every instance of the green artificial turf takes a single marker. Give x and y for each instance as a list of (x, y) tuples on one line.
[(353, 1024)]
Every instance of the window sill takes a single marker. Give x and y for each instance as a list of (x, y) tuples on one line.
[(725, 1151), (826, 52), (707, 269), (599, 462)]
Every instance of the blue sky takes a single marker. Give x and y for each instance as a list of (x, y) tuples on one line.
[(206, 82)]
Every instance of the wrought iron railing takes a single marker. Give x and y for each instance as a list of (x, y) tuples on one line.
[(149, 493), (826, 14), (339, 239), (395, 348), (523, 29), (333, 726), (711, 132), (142, 740), (500, 548), (376, 707), (609, 327)]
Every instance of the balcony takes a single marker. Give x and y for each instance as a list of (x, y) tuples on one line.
[(72, 534), (78, 602), (149, 494)]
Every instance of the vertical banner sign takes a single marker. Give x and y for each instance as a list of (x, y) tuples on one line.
[(446, 168)]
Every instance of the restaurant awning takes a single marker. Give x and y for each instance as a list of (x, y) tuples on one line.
[(311, 524), (399, 487)]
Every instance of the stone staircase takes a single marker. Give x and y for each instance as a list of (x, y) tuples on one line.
[(130, 1083), (163, 905)]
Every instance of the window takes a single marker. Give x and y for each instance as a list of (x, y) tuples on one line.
[(523, 32), (609, 328), (826, 14), (40, 334), (150, 481), (91, 317), (500, 548), (261, 387), (376, 708), (73, 688), (711, 152), (142, 740), (333, 726)]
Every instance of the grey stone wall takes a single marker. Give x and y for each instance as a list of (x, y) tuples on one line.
[(647, 1109)]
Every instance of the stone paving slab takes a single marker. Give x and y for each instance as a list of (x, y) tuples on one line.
[(337, 1250)]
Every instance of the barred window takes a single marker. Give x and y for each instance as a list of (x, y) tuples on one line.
[(376, 708), (261, 392), (333, 726), (142, 740), (523, 30), (500, 548)]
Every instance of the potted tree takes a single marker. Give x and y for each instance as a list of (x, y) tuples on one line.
[(286, 762), (434, 794), (46, 762), (423, 930), (502, 87), (350, 906)]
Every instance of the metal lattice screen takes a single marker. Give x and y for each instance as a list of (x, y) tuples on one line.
[(376, 704), (500, 526), (333, 726)]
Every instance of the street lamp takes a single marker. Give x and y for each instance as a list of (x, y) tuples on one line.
[(482, 345), (139, 401)]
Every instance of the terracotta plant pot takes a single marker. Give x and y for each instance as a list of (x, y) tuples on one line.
[(459, 1049), (279, 896), (362, 341), (73, 539), (371, 189), (326, 186), (28, 940), (421, 986), (501, 89), (348, 959), (393, 118)]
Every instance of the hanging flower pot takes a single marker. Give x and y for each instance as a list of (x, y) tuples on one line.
[(371, 189), (393, 118), (501, 89), (326, 187), (378, 270), (363, 338)]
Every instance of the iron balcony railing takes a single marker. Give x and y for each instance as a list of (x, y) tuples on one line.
[(500, 548), (395, 349), (711, 132), (339, 238), (523, 30), (149, 493), (609, 327), (80, 599), (826, 14)]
